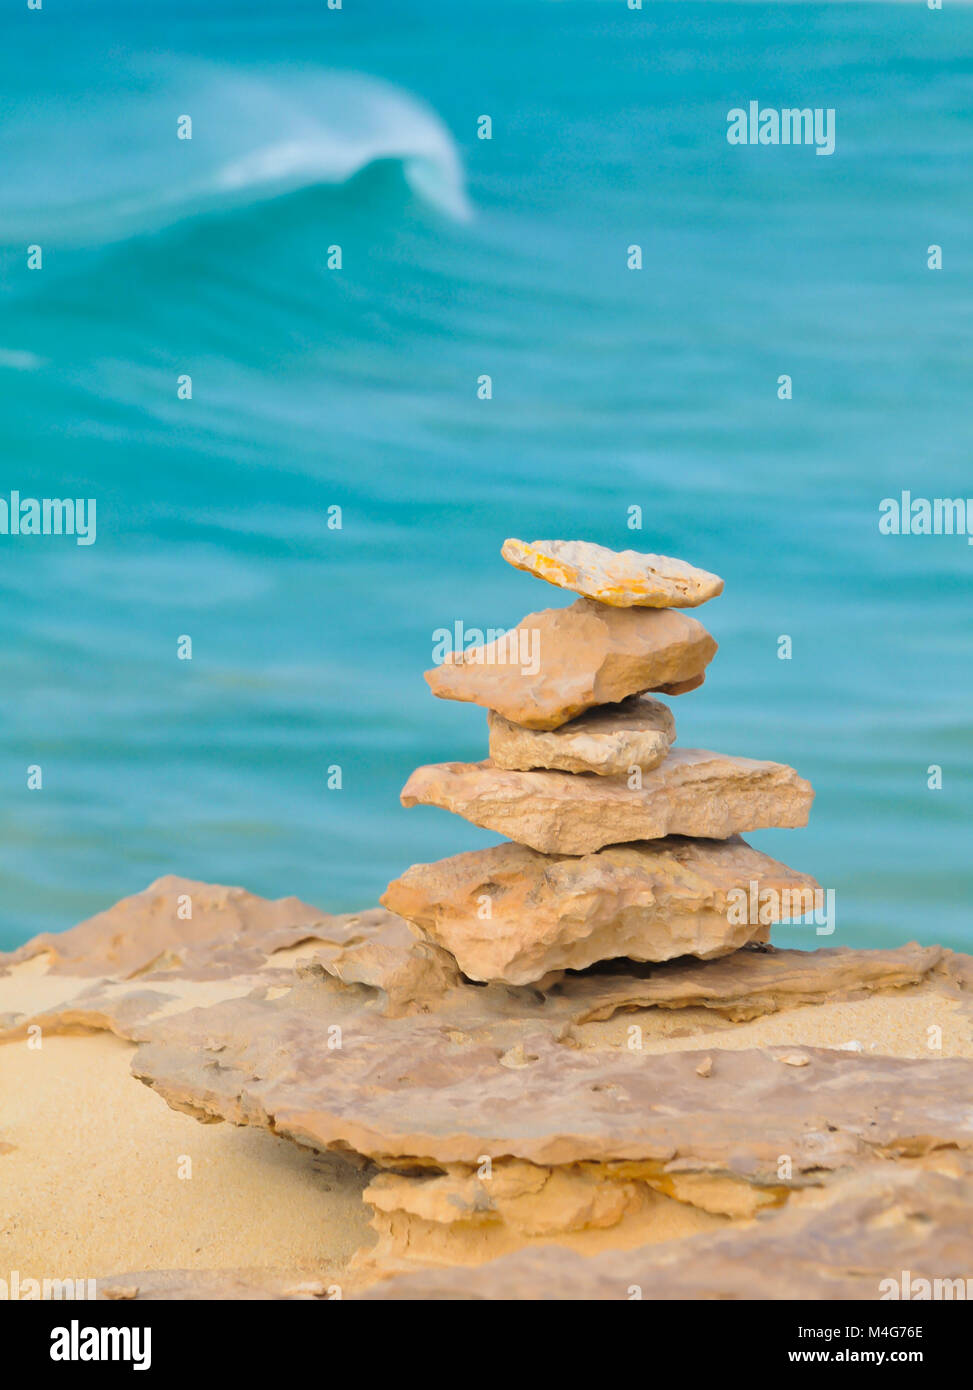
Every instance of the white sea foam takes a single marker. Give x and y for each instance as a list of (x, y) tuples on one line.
[(346, 124), (86, 176)]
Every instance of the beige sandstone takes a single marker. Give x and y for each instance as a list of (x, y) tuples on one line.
[(622, 579), (176, 923), (681, 687), (414, 1091), (844, 1242), (557, 663), (372, 962), (693, 792), (753, 983), (872, 1227), (609, 739), (465, 1216), (378, 950), (512, 914), (593, 1146)]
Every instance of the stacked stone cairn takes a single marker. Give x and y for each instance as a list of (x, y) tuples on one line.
[(618, 844)]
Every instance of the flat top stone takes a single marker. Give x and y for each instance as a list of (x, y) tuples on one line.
[(693, 792), (607, 740), (558, 663), (620, 578)]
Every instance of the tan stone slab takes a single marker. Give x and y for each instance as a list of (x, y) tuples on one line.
[(752, 983), (557, 663), (620, 578), (142, 959), (416, 1090), (511, 914), (372, 961), (378, 950), (608, 740), (873, 1227), (176, 924), (693, 792)]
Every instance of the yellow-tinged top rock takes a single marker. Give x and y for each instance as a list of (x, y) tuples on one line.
[(620, 578)]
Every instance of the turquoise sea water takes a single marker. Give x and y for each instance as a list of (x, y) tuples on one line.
[(315, 388)]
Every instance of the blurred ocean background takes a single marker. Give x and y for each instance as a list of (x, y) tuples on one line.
[(356, 388)]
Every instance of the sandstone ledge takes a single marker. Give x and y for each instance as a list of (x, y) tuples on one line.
[(592, 1145), (903, 1217), (418, 1091)]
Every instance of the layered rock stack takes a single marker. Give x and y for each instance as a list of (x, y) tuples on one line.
[(653, 1122), (618, 845)]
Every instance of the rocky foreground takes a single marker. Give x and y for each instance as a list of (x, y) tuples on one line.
[(567, 1066), (769, 1124)]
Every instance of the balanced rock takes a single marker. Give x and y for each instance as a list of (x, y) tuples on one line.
[(556, 664), (694, 792), (609, 739), (620, 578), (650, 902)]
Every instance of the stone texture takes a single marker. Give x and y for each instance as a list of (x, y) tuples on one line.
[(693, 792), (422, 1091), (649, 901), (465, 1215), (230, 931), (608, 740), (372, 962), (377, 949), (751, 983), (140, 961), (591, 1145), (874, 1226), (861, 1231), (586, 654), (681, 687), (620, 578)]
